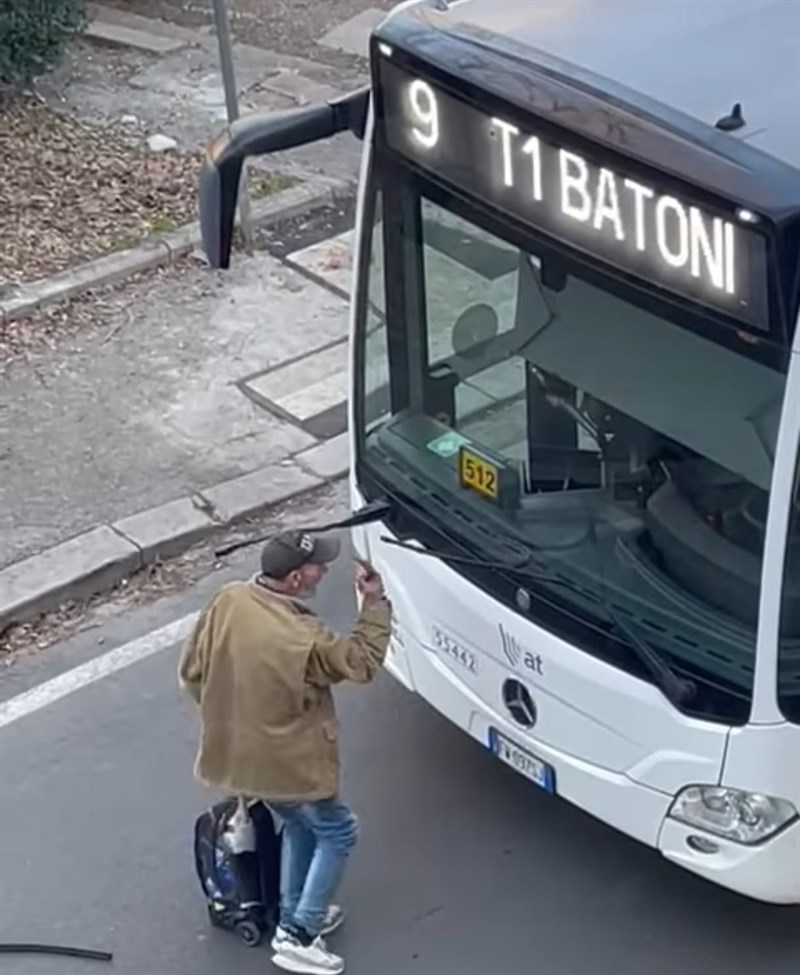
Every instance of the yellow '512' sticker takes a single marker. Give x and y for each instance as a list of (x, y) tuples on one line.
[(478, 474)]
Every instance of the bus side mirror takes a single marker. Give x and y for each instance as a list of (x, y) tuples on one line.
[(260, 135)]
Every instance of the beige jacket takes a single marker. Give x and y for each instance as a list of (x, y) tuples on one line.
[(260, 666)]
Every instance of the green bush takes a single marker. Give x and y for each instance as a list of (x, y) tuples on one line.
[(33, 34)]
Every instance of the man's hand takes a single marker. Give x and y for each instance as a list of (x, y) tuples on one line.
[(368, 582)]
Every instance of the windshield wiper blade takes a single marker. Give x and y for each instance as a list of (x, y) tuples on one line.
[(447, 557), (677, 690)]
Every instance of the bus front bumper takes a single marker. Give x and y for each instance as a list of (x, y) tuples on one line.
[(767, 872)]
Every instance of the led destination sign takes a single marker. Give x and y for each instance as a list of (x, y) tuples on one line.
[(600, 209)]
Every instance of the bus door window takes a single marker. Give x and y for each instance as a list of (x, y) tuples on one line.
[(475, 380), (789, 645), (576, 440), (377, 401)]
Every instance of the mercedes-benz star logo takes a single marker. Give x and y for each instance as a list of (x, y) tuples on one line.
[(517, 699)]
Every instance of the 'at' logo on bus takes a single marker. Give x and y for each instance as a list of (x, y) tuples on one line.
[(517, 654)]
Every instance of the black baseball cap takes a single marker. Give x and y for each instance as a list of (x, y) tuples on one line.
[(292, 549)]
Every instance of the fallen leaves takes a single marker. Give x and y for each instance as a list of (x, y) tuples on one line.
[(70, 191), (40, 332)]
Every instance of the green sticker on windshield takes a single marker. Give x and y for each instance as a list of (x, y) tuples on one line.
[(447, 445)]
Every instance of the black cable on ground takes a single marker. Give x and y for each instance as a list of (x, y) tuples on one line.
[(38, 949)]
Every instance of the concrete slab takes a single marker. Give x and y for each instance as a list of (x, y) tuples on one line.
[(164, 359), (245, 496), (184, 90), (327, 425), (148, 25), (166, 531), (317, 398), (303, 90), (329, 460), (295, 377), (180, 94), (353, 35), (98, 30), (331, 260), (80, 566)]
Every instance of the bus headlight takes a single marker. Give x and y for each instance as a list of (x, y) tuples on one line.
[(744, 817)]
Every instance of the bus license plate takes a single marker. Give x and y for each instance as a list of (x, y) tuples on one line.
[(522, 761)]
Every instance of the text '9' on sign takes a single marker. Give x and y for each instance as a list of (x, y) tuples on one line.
[(599, 209)]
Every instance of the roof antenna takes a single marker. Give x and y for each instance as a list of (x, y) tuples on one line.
[(729, 123)]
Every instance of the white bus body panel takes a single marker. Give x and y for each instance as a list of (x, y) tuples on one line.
[(620, 751), (590, 714), (763, 759)]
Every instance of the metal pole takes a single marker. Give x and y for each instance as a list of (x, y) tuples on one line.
[(232, 106)]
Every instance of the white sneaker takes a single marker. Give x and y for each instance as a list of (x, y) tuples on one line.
[(281, 934), (334, 919), (313, 959)]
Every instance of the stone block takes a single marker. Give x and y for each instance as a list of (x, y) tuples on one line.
[(93, 274), (76, 569), (99, 30), (251, 494), (161, 28), (328, 460), (168, 530)]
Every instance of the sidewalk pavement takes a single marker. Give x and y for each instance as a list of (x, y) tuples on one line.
[(203, 398), (164, 79), (195, 399)]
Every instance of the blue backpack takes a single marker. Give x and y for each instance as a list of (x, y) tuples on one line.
[(242, 889)]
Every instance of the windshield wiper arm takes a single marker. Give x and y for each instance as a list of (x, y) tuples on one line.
[(677, 690), (376, 510)]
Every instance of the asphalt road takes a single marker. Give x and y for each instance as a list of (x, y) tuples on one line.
[(463, 867)]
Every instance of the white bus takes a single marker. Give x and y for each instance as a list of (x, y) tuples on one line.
[(575, 398)]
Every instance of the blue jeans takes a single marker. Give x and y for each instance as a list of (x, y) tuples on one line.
[(317, 840)]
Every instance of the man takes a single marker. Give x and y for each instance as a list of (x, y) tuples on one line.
[(261, 666)]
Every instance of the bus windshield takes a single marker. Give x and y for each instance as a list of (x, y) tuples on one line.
[(637, 444)]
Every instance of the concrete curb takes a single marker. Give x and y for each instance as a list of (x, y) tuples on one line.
[(101, 558), (162, 250)]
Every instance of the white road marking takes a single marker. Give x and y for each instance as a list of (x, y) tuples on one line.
[(96, 669)]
